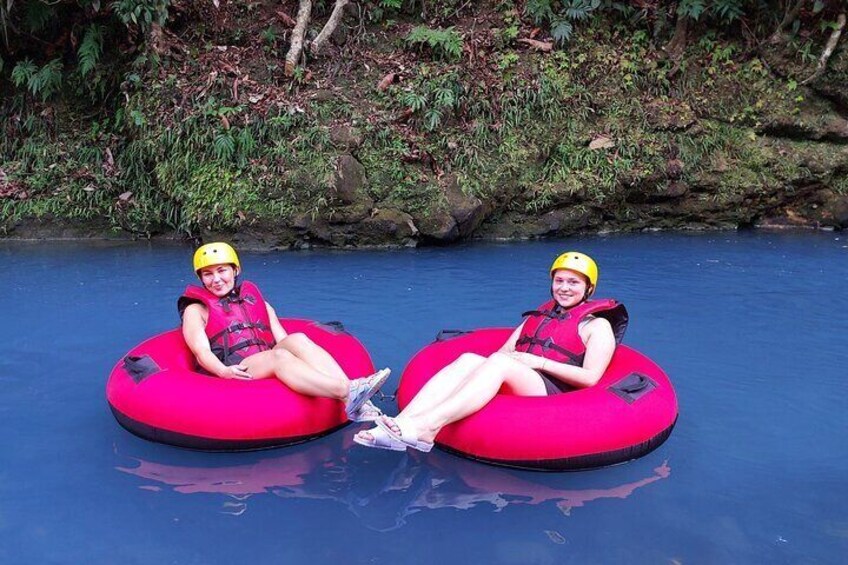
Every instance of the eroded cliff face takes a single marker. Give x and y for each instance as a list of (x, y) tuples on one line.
[(383, 144)]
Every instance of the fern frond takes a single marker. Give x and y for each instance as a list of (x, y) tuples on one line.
[(728, 10), (691, 8), (246, 142), (445, 98), (48, 79), (23, 72), (432, 119), (561, 31), (414, 101), (224, 146), (540, 10), (580, 9), (37, 15), (90, 49), (443, 42)]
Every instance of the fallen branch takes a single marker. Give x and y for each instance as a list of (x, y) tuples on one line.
[(538, 45), (293, 56), (329, 27), (828, 49), (386, 81), (285, 18)]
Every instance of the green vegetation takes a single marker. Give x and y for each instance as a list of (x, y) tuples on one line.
[(444, 43), (117, 119)]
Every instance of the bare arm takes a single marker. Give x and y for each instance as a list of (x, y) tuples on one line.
[(276, 327), (509, 345), (600, 345), (194, 333)]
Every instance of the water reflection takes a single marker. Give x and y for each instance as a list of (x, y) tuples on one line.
[(381, 489)]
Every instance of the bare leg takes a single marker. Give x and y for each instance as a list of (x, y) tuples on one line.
[(443, 384), (310, 352), (296, 373), (479, 389)]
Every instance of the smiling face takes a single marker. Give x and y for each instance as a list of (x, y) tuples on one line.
[(568, 287), (219, 279)]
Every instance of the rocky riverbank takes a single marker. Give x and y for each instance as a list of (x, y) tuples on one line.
[(384, 142)]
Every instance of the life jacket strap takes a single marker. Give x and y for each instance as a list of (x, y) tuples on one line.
[(564, 315), (574, 359), (237, 328), (223, 352), (235, 297)]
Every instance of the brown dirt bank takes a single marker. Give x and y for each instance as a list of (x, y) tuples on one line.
[(479, 134)]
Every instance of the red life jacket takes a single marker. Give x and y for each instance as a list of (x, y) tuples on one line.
[(238, 325), (551, 331)]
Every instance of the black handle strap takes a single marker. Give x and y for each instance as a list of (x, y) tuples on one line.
[(140, 367), (639, 383), (334, 325), (445, 335), (633, 387)]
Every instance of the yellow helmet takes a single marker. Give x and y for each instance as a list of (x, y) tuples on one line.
[(579, 262), (215, 253)]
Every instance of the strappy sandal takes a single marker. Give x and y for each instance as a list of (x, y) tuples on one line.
[(406, 436), (368, 412), (379, 440), (361, 390)]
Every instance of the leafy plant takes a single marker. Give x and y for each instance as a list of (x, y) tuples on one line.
[(142, 13), (691, 8), (42, 83), (37, 15), (90, 49), (224, 146), (728, 10), (444, 43), (561, 15)]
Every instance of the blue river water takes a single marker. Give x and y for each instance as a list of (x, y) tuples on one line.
[(751, 327)]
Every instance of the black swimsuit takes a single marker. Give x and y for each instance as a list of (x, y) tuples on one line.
[(554, 385)]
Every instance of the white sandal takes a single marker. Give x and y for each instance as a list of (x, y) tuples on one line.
[(380, 440), (368, 412), (361, 390), (406, 436)]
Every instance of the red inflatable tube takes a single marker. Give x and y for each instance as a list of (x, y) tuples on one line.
[(629, 413), (155, 392)]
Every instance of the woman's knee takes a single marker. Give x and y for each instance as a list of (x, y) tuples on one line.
[(468, 359), (282, 356), (499, 359), (296, 339)]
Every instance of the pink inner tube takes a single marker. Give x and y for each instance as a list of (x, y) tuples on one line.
[(170, 402), (629, 413)]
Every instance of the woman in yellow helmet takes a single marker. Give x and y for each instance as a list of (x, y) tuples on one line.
[(235, 334), (566, 343)]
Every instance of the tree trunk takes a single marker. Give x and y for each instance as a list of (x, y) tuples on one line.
[(675, 47), (293, 56), (793, 8), (329, 27), (832, 41)]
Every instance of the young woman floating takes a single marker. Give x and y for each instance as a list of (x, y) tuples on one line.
[(558, 347), (234, 334)]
